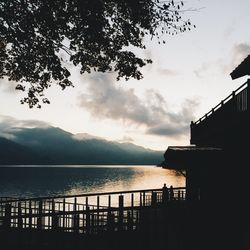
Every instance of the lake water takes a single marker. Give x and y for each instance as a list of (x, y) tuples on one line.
[(39, 180)]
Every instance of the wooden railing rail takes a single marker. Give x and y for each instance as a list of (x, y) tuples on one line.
[(56, 213), (234, 94)]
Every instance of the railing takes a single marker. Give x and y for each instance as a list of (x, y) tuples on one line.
[(222, 115), (241, 103), (107, 211)]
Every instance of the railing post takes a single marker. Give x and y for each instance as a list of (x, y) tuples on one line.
[(55, 221), (120, 216), (75, 217), (179, 195), (92, 223), (87, 220), (234, 101), (110, 222), (153, 199), (171, 193), (63, 218), (191, 133), (39, 218), (140, 199), (109, 201), (7, 216), (20, 219), (248, 95), (97, 216), (129, 222), (132, 205), (30, 214), (55, 217)]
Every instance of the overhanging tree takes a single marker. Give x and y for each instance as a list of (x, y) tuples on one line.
[(95, 34)]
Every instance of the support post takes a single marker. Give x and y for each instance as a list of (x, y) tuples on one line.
[(7, 216), (120, 215), (55, 218), (129, 222), (87, 220), (75, 217), (40, 211), (144, 198), (64, 206), (20, 219), (153, 199), (30, 214), (248, 95), (97, 216), (111, 222), (132, 205)]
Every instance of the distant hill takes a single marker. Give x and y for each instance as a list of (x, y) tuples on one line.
[(13, 153), (55, 146)]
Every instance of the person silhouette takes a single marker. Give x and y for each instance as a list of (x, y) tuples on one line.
[(165, 194)]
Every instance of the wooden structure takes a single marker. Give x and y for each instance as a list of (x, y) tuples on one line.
[(227, 124), (97, 218), (242, 70), (219, 157), (74, 213)]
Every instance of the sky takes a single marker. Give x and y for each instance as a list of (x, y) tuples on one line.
[(190, 75)]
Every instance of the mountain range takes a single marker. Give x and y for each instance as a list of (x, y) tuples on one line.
[(53, 145)]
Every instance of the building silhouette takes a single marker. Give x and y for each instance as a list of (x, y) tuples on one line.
[(216, 166)]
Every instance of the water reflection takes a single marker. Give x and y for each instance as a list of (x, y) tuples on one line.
[(23, 181)]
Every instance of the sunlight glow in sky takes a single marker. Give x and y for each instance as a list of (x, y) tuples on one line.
[(189, 76)]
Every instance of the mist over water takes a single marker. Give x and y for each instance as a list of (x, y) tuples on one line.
[(39, 180)]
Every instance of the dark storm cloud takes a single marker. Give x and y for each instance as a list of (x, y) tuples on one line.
[(169, 130), (106, 99)]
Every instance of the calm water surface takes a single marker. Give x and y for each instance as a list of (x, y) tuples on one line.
[(39, 180)]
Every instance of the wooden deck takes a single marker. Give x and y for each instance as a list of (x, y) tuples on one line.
[(227, 124), (87, 213)]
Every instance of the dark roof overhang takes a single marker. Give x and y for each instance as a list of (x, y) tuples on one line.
[(242, 69), (185, 157)]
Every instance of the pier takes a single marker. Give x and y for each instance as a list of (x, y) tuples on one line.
[(86, 216)]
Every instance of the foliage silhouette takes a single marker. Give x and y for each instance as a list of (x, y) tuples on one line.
[(96, 35)]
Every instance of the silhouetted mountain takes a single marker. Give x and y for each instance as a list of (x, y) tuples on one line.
[(56, 146), (14, 153)]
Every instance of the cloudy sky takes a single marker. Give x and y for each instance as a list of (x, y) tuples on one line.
[(189, 75)]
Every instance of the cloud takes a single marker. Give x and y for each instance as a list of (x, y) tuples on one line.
[(86, 136), (9, 126), (126, 139), (105, 99), (176, 124), (203, 70), (238, 53), (167, 72), (169, 130)]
